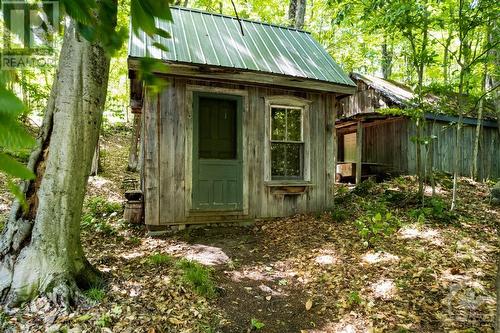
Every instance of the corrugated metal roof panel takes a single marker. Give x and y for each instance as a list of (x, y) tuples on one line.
[(212, 39)]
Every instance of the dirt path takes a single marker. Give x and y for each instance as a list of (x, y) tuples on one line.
[(256, 282)]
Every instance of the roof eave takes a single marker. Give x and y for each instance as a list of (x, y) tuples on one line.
[(246, 76)]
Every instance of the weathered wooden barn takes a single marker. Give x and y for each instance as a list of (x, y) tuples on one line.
[(245, 127), (371, 142)]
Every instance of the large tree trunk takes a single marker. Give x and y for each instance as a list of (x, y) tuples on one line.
[(40, 249), (297, 13)]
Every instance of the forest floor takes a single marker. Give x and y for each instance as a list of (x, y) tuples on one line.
[(354, 268)]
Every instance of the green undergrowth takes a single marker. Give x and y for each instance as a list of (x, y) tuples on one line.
[(99, 215), (96, 294), (378, 210), (160, 259), (199, 277), (194, 275)]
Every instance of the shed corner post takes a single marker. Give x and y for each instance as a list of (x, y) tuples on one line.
[(331, 150), (359, 150)]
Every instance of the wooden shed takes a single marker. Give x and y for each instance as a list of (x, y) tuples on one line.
[(245, 127), (370, 142)]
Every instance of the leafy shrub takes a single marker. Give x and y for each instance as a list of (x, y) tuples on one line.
[(102, 226), (342, 198), (198, 276), (435, 208), (365, 188), (97, 213), (374, 207), (99, 206), (372, 227), (159, 259), (401, 198), (339, 215)]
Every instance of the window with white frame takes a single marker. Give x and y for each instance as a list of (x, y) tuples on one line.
[(287, 142)]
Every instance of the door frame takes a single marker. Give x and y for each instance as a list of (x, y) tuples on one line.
[(191, 90)]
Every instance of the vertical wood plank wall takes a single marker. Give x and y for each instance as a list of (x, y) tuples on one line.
[(166, 139), (488, 155), (151, 168), (389, 142)]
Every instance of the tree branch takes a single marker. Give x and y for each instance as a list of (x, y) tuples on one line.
[(238, 18)]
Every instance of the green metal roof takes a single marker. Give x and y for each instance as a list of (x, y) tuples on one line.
[(204, 38)]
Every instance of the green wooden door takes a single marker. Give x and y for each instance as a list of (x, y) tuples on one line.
[(217, 152)]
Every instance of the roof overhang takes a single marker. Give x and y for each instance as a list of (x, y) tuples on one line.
[(245, 76)]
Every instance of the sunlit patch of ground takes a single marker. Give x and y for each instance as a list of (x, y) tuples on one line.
[(412, 231), (379, 257), (350, 323), (384, 289)]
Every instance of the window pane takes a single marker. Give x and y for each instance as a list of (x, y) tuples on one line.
[(278, 163), (294, 124), (286, 160), (293, 157), (278, 123)]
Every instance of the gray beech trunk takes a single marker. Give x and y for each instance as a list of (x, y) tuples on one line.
[(40, 248), (297, 13), (387, 54)]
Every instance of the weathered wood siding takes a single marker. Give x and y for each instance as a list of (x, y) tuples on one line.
[(443, 155), (389, 142), (168, 148), (384, 142), (364, 101)]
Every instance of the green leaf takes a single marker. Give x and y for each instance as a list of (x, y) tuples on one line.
[(160, 46), (13, 168), (80, 11), (10, 105), (257, 324), (12, 135)]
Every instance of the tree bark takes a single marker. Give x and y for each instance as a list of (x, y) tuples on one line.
[(297, 13), (182, 3), (94, 169), (292, 11), (301, 14), (458, 141), (446, 58), (40, 248), (387, 54)]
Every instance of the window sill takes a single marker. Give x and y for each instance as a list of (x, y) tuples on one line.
[(288, 187), (284, 182)]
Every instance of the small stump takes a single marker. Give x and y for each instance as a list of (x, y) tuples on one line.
[(133, 207)]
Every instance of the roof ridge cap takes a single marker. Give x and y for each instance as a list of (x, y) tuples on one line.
[(196, 10)]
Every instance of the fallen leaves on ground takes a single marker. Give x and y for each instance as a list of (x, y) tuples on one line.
[(305, 273)]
